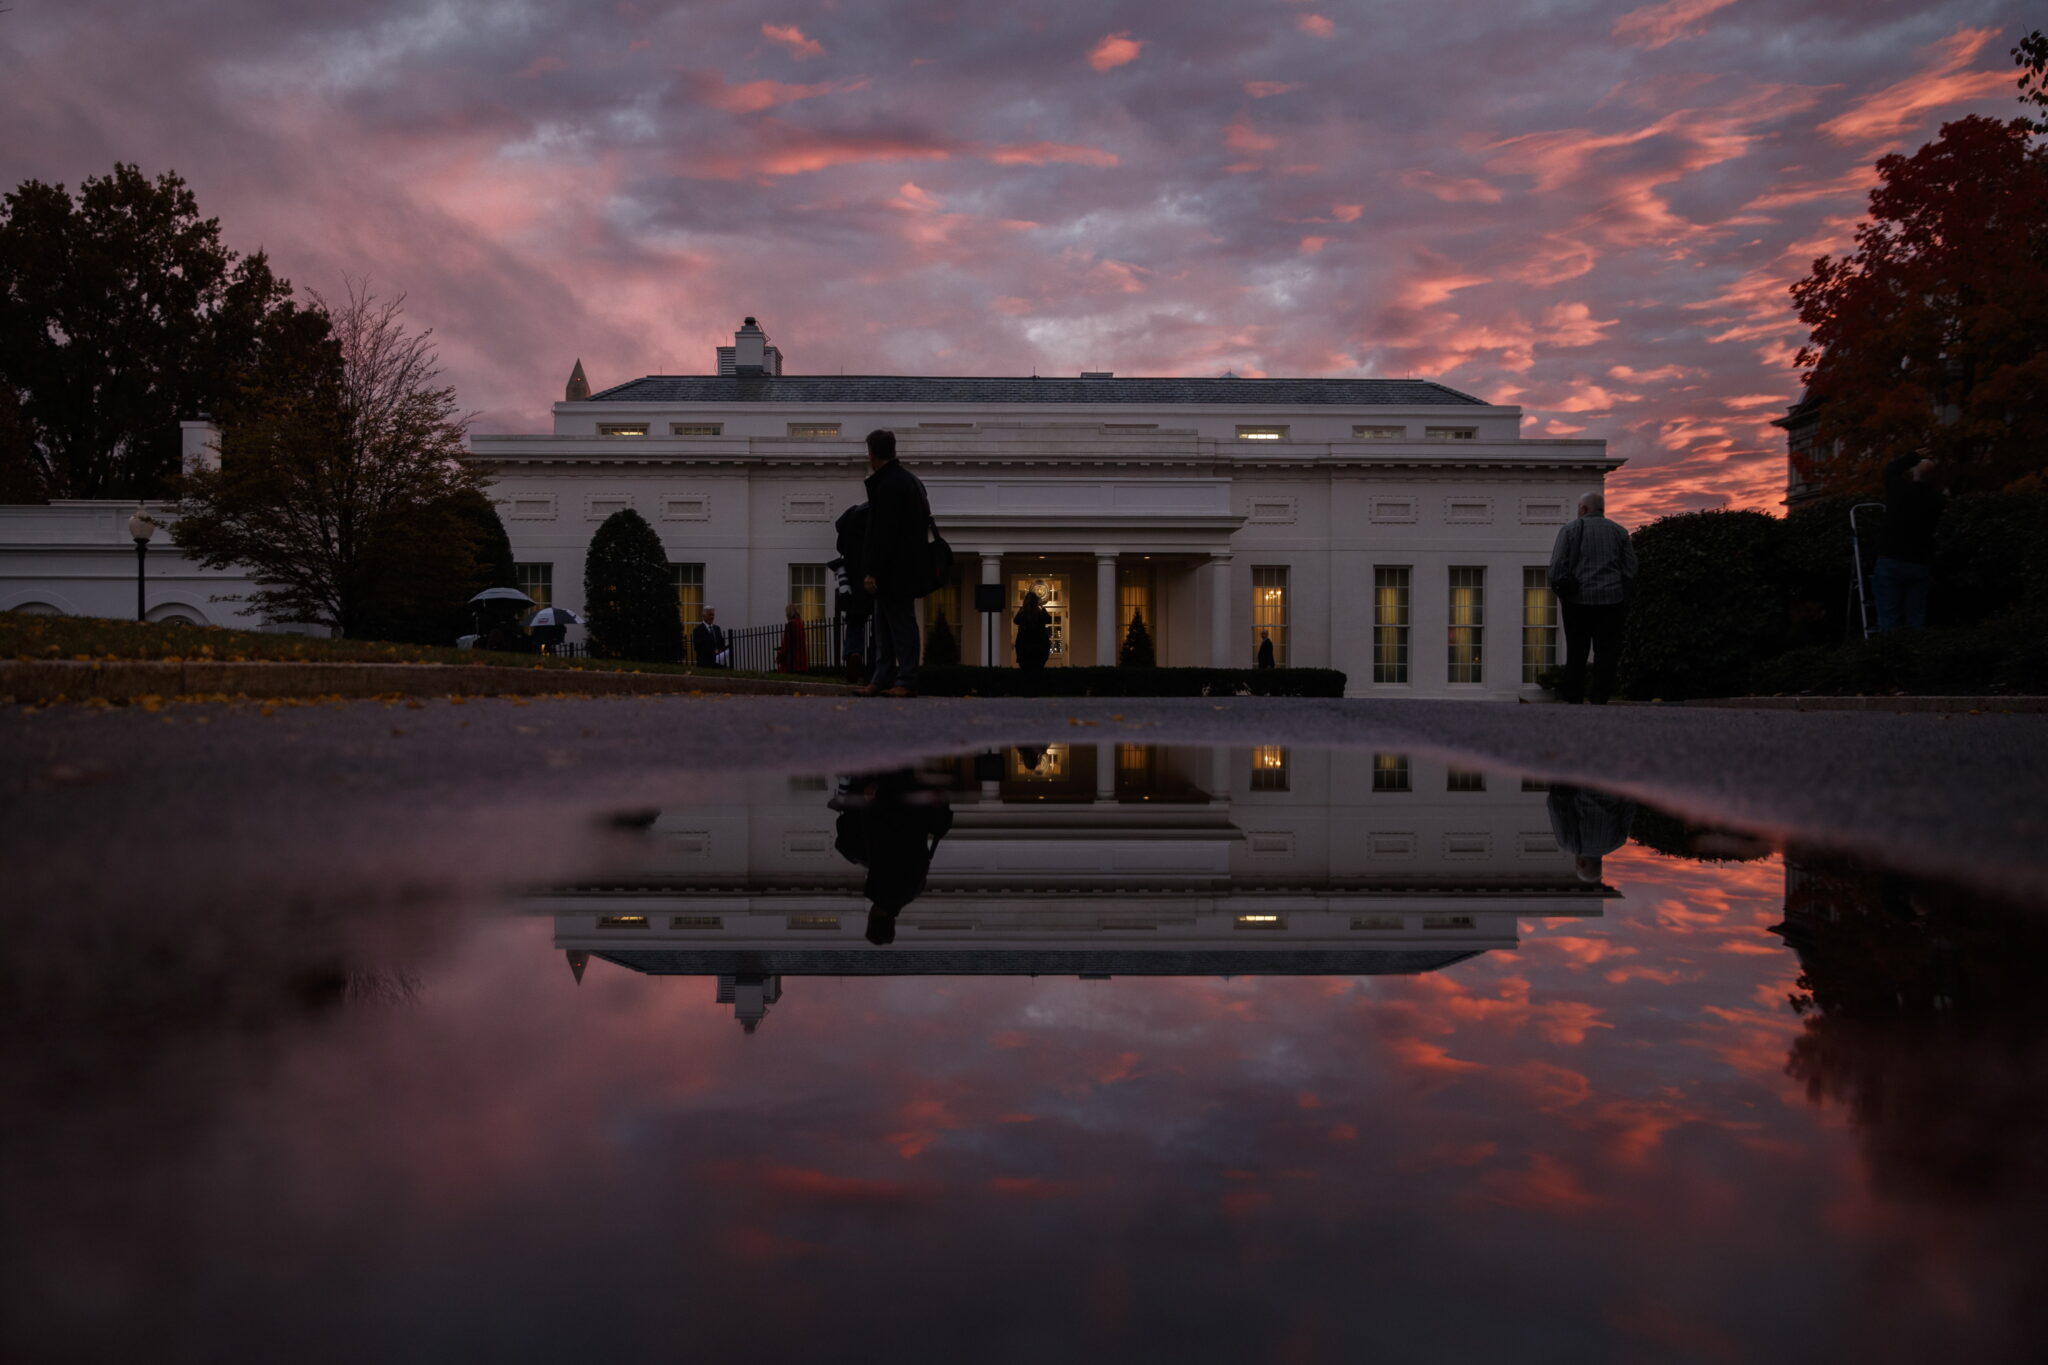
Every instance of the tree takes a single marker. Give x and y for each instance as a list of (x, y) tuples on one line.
[(1137, 651), (120, 314), (423, 597), (1708, 605), (1930, 331), (629, 601), (340, 470), (941, 645), (2032, 56)]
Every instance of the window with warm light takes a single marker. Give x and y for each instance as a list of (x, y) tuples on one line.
[(1269, 610), (622, 921), (1051, 765), (696, 428), (1539, 623), (807, 589), (1468, 623), (1261, 922), (536, 581), (1390, 772), (1262, 433), (1390, 624), (814, 428), (1269, 768), (1134, 759), (688, 581), (622, 428)]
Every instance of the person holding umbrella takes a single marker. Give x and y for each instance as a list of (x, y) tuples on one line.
[(550, 626), (498, 623)]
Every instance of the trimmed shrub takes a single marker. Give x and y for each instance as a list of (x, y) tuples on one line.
[(1990, 558), (941, 645), (1131, 682), (2007, 657), (1137, 651), (630, 605), (1709, 604)]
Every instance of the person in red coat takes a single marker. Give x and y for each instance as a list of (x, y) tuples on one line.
[(793, 655)]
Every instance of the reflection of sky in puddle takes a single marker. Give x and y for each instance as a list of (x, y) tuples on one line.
[(1311, 1064)]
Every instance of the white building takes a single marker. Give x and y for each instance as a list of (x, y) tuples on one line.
[(1394, 529)]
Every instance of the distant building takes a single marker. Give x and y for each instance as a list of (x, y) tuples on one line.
[(1395, 529), (1801, 425)]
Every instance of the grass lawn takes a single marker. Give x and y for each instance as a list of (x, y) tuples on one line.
[(97, 638)]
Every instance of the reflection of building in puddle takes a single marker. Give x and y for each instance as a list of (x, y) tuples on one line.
[(1093, 861)]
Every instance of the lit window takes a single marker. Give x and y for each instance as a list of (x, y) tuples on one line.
[(536, 581), (696, 428), (1539, 623), (622, 921), (1450, 433), (1390, 772), (1039, 765), (1390, 624), (807, 590), (1468, 623), (814, 428), (1261, 922), (1262, 433), (1464, 780), (688, 581), (1269, 768), (1269, 610), (622, 428), (1378, 433), (1135, 759)]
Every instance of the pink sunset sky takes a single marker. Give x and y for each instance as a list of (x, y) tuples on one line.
[(1590, 208)]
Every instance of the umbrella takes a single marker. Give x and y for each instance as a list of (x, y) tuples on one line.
[(502, 595), (555, 616)]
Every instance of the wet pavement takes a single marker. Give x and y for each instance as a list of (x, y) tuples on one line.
[(1088, 1046)]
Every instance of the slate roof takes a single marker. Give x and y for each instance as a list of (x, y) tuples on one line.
[(842, 390), (865, 961)]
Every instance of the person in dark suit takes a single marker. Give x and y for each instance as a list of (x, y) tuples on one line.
[(895, 565), (1034, 632), (890, 823), (1265, 649), (707, 641)]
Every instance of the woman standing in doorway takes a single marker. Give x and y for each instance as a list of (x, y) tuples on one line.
[(1034, 633)]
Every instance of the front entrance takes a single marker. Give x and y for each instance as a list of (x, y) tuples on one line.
[(1054, 595)]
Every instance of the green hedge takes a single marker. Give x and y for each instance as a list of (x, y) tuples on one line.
[(1130, 682), (2007, 657), (1709, 604)]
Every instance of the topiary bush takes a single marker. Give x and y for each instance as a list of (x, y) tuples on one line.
[(1130, 682), (630, 606), (941, 645), (1708, 605), (1137, 651)]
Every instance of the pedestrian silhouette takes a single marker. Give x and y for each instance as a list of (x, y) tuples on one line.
[(890, 823), (1589, 825)]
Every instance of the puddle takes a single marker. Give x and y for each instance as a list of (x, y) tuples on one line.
[(1079, 1051)]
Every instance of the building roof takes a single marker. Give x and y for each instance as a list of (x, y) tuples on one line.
[(865, 961), (840, 390)]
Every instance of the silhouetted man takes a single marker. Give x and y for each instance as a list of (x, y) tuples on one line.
[(890, 823), (1592, 570), (707, 641), (1589, 825), (895, 566)]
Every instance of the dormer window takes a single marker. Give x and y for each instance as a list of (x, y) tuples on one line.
[(696, 428), (814, 429), (1450, 433), (1378, 433), (1262, 433), (622, 428)]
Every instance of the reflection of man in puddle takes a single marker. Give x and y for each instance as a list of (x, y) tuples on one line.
[(1589, 825), (890, 823)]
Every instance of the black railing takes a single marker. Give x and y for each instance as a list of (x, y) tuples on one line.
[(754, 648)]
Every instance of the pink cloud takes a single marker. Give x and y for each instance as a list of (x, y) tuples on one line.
[(1047, 153), (1316, 26), (792, 37), (1311, 245), (1653, 26), (1347, 213), (1451, 191), (1114, 51), (1239, 136), (754, 96), (1260, 90), (1945, 80)]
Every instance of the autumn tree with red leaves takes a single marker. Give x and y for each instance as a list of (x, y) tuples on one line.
[(1934, 330)]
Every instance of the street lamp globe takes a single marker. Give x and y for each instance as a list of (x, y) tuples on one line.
[(142, 526)]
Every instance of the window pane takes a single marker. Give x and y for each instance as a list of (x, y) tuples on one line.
[(1269, 769), (1464, 780), (689, 585), (1539, 623), (537, 581), (807, 590), (1269, 609), (1390, 624), (1468, 623), (1390, 772)]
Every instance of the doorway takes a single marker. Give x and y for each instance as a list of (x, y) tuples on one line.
[(1053, 595)]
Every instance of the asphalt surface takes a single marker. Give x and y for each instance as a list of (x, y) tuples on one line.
[(195, 804)]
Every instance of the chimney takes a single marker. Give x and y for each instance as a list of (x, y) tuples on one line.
[(201, 445), (751, 352), (578, 390)]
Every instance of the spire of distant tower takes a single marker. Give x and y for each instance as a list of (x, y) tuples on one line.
[(579, 387), (578, 960)]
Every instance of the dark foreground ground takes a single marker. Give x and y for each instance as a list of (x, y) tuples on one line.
[(102, 806)]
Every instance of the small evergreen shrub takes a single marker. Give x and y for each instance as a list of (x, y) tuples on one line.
[(941, 645), (1137, 651), (630, 605)]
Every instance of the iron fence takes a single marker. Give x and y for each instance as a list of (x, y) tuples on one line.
[(756, 648)]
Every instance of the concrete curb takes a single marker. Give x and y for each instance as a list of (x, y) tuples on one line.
[(49, 680), (1937, 705)]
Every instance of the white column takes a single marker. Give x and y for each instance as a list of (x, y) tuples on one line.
[(1221, 636), (991, 572), (1105, 772), (1105, 608)]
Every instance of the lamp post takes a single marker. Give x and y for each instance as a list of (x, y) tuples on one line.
[(141, 527)]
